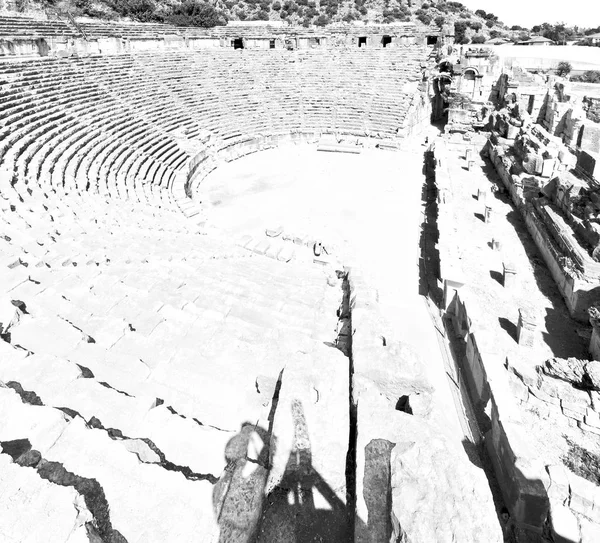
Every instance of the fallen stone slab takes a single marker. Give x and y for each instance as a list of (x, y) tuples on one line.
[(274, 232)]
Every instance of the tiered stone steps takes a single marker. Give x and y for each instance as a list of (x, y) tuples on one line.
[(145, 362)]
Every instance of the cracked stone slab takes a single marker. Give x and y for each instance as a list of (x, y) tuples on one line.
[(24, 495)]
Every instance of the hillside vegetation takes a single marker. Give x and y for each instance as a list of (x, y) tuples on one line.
[(437, 14)]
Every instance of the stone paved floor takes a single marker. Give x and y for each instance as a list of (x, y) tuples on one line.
[(557, 335)]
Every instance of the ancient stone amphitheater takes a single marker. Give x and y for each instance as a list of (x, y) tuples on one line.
[(166, 377)]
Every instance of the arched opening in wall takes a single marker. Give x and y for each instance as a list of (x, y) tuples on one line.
[(446, 67), (362, 41), (468, 85), (432, 40), (386, 40), (237, 43), (271, 44)]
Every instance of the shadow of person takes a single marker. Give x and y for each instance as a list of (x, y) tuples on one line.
[(239, 492), (301, 507)]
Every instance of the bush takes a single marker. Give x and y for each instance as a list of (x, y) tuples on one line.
[(424, 18), (478, 39), (590, 76), (322, 20), (475, 25), (193, 13), (139, 10), (276, 6), (440, 20), (262, 15), (489, 23)]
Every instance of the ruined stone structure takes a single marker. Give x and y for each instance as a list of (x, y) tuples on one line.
[(164, 379), (161, 381), (531, 147)]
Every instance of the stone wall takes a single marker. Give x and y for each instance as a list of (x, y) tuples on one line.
[(111, 37)]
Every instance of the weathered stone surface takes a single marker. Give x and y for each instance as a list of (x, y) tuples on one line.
[(571, 370), (564, 524), (306, 489), (24, 493), (592, 370), (431, 478)]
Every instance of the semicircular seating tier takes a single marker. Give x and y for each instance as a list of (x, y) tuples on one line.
[(127, 125)]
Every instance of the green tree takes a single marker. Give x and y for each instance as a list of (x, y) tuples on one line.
[(194, 13), (460, 28), (262, 15), (564, 68), (478, 39), (425, 18)]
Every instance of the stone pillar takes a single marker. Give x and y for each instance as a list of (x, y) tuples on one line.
[(526, 329), (509, 274), (481, 195), (487, 214), (594, 313), (453, 281), (496, 245), (512, 131), (469, 155)]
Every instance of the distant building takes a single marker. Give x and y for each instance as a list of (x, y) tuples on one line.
[(592, 39), (537, 40), (497, 41)]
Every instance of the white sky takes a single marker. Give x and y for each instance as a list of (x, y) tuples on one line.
[(527, 13)]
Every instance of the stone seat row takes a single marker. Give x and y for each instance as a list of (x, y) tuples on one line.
[(118, 126), (20, 26)]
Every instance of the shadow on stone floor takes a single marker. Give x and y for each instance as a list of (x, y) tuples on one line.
[(509, 327), (301, 508), (429, 260)]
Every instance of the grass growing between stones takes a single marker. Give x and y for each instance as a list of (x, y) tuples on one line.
[(581, 462)]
